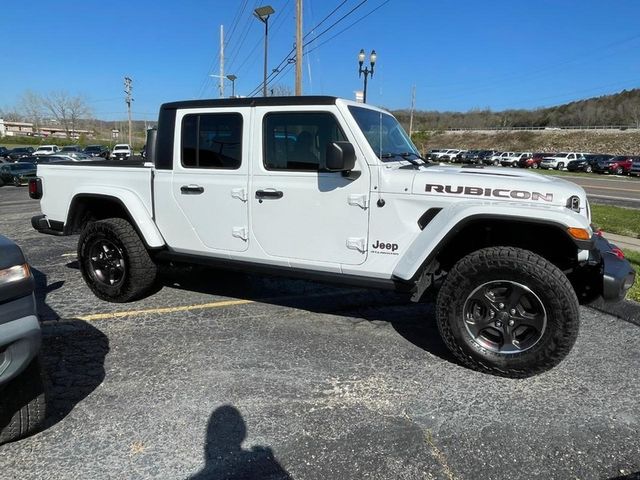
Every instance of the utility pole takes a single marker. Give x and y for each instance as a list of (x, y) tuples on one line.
[(128, 100), (413, 106), (221, 61), (298, 47)]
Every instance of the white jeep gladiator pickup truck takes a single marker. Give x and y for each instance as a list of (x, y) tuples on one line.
[(331, 190)]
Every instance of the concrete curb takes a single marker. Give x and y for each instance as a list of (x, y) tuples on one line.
[(627, 310), (621, 241)]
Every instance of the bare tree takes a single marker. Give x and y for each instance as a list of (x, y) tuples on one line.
[(31, 106), (280, 91), (10, 114), (66, 109)]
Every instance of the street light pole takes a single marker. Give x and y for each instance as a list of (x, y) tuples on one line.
[(233, 84), (262, 14), (230, 77), (367, 70)]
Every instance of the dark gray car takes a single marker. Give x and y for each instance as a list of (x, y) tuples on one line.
[(22, 402)]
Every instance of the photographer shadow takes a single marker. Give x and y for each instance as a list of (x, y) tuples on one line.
[(226, 459)]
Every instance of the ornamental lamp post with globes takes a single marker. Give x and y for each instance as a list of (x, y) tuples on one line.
[(367, 70)]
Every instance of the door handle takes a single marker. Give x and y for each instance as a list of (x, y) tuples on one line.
[(191, 189), (275, 194)]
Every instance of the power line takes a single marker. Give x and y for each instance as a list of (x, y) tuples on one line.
[(348, 27)]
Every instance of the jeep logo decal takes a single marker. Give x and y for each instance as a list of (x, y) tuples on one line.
[(489, 192), (384, 247)]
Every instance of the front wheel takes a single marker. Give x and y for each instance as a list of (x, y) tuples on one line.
[(560, 166), (619, 171), (534, 166), (114, 262), (22, 405), (508, 312), (588, 169)]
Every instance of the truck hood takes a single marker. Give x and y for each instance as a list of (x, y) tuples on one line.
[(492, 184)]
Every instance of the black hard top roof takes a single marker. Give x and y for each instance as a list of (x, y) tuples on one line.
[(251, 102)]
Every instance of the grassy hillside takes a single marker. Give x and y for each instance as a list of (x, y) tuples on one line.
[(622, 108)]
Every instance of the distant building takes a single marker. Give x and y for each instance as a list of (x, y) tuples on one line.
[(25, 129), (15, 129)]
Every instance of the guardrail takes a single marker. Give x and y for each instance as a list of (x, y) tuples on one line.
[(550, 129)]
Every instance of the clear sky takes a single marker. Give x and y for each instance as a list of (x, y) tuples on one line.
[(459, 54)]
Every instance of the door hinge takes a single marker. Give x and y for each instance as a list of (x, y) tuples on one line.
[(239, 193), (360, 200), (356, 243), (240, 232)]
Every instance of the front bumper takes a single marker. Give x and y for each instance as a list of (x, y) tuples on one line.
[(20, 336), (615, 274)]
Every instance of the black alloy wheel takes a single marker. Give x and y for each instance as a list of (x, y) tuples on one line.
[(107, 262), (504, 316)]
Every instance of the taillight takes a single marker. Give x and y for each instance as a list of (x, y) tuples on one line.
[(35, 188), (618, 253)]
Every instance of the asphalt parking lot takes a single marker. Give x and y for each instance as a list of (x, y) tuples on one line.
[(223, 375)]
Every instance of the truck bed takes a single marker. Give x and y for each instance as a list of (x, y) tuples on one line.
[(61, 182)]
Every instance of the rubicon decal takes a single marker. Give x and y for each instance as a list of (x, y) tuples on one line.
[(385, 247), (489, 192)]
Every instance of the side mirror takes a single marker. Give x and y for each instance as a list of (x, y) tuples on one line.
[(340, 157)]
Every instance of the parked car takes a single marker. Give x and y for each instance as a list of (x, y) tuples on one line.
[(451, 155), (17, 173), (586, 163), (19, 152), (22, 399), (560, 160), (46, 150), (514, 160), (121, 151), (436, 153), (619, 165), (71, 148), (635, 167), (97, 151), (532, 161)]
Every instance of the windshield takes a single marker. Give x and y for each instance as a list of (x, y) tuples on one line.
[(93, 149), (385, 135)]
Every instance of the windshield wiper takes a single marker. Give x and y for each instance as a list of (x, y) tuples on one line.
[(405, 156)]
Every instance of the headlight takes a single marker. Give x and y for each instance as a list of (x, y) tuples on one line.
[(14, 274)]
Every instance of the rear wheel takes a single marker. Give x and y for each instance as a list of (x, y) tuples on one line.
[(588, 169), (535, 165), (508, 312), (114, 262), (16, 181), (22, 405)]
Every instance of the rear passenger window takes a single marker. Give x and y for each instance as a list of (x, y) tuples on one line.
[(298, 141), (212, 140)]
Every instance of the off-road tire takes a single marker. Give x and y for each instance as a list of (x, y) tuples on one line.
[(139, 271), (22, 405), (516, 265)]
